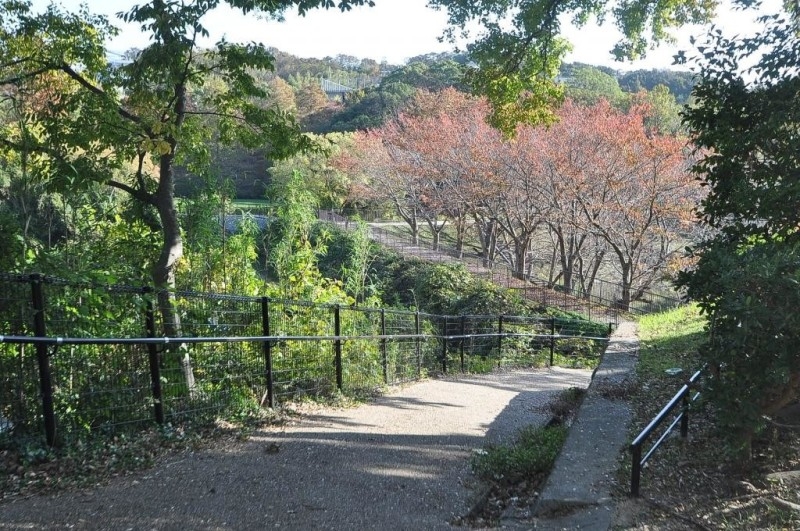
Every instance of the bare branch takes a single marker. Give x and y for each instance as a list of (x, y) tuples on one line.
[(136, 193), (94, 89)]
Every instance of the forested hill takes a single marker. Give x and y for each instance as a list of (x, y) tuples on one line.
[(371, 92)]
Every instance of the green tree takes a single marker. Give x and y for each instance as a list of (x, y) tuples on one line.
[(293, 253), (747, 276), (129, 126), (678, 82), (519, 50), (110, 124), (429, 75), (329, 185), (587, 85), (663, 110), (374, 108)]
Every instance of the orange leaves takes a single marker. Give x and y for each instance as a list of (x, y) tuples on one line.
[(597, 173)]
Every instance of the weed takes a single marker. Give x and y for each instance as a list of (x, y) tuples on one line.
[(532, 455), (566, 402)]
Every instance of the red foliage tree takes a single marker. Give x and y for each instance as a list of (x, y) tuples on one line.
[(630, 189), (598, 183)]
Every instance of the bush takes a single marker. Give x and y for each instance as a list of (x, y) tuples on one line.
[(751, 297)]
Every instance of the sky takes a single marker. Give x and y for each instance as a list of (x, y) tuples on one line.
[(394, 31)]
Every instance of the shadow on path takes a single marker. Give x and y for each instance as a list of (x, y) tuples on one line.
[(400, 463)]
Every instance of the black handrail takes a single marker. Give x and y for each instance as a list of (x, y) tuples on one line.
[(682, 397), (57, 341)]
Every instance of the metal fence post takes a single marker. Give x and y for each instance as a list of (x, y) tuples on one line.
[(499, 338), (636, 469), (552, 339), (444, 347), (384, 357), (337, 345), (417, 332), (463, 333), (45, 376), (267, 353), (152, 352)]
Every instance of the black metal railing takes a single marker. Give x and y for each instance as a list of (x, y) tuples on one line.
[(682, 400), (78, 359)]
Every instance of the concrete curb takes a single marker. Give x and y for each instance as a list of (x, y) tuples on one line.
[(577, 494)]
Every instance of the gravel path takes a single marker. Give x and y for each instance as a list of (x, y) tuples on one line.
[(401, 462)]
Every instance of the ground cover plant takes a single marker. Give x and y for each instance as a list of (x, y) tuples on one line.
[(514, 473), (695, 483)]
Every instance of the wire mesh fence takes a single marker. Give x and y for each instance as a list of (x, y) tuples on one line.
[(80, 360), (601, 299)]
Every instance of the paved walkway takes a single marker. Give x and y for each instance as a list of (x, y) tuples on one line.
[(400, 463)]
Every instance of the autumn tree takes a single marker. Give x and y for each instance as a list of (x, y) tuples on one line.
[(310, 98), (281, 95), (407, 140), (468, 157), (526, 205), (439, 140), (375, 177), (563, 152), (633, 190)]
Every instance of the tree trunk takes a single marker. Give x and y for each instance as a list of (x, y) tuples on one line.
[(566, 261), (588, 278), (461, 229), (436, 232), (164, 268), (411, 219), (487, 234), (521, 257), (624, 303)]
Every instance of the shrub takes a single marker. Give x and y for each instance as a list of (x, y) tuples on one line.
[(750, 296)]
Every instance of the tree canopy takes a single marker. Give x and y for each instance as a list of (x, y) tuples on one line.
[(519, 50)]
